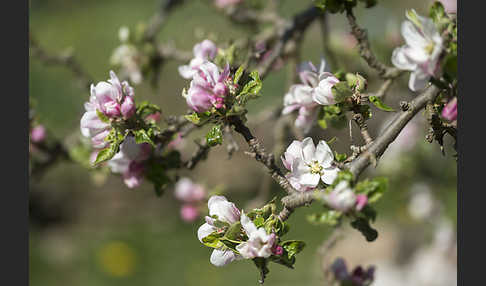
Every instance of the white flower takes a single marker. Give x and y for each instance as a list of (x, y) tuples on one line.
[(203, 51), (306, 97), (259, 243), (323, 92), (342, 198), (421, 53), (308, 164), (226, 212)]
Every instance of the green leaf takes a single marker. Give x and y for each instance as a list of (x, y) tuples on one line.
[(373, 189), (102, 117), (107, 153), (379, 104), (293, 247), (251, 90), (330, 217), (340, 157), (322, 123), (142, 136), (438, 14), (214, 136), (341, 91), (238, 74), (259, 221), (413, 17), (193, 117), (364, 227), (284, 260), (233, 231), (156, 173), (146, 108), (212, 240)]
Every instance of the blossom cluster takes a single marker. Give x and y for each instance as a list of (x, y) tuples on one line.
[(315, 90), (235, 236)]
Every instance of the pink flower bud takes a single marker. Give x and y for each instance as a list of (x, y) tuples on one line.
[(220, 89), (111, 109), (189, 213), (449, 111), (278, 250), (38, 134), (154, 116), (128, 107), (361, 201)]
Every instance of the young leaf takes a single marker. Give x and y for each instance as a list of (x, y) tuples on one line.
[(341, 91), (193, 117), (102, 117), (251, 89), (107, 153), (214, 136), (141, 136), (238, 74), (293, 247), (212, 240), (330, 217), (364, 227), (379, 104)]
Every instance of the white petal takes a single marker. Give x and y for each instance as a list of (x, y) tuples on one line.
[(401, 61), (418, 80), (295, 149), (324, 154), (308, 150), (205, 230), (330, 174), (309, 179), (247, 224), (412, 36), (222, 257), (186, 71)]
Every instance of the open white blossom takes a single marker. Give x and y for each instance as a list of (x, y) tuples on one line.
[(226, 212), (309, 164), (259, 243), (421, 52)]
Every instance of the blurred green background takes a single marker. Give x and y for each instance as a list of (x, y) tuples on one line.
[(88, 230)]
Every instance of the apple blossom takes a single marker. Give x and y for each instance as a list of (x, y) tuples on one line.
[(187, 191), (306, 97), (127, 57), (114, 99), (208, 87), (189, 213), (226, 212), (129, 161), (203, 51), (309, 164), (449, 111), (259, 243), (342, 197), (420, 54), (38, 134)]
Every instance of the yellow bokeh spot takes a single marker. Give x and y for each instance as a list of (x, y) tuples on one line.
[(117, 259)]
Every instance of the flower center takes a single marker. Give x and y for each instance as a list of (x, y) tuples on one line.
[(315, 168), (429, 48)]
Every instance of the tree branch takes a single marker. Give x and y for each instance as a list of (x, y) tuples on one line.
[(365, 50)]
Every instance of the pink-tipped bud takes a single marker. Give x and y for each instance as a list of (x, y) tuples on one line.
[(361, 201), (128, 107), (111, 109), (38, 134), (154, 117), (220, 89), (189, 213), (449, 111), (278, 250)]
